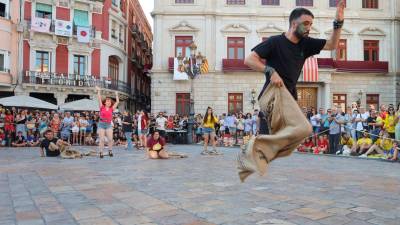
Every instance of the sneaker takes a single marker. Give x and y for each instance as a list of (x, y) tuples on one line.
[(205, 152), (363, 156), (215, 152), (338, 153)]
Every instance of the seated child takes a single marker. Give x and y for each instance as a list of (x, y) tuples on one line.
[(322, 146)]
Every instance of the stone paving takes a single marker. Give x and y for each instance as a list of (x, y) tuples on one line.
[(200, 190)]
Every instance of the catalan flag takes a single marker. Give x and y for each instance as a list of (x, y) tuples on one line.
[(204, 66)]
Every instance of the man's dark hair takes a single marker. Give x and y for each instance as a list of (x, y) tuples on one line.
[(297, 13), (48, 131)]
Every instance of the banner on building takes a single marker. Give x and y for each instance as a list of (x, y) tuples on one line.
[(63, 28), (40, 24), (179, 74), (310, 70), (83, 34)]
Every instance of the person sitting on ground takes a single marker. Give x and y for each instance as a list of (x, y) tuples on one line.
[(32, 140), (322, 146), (19, 140), (347, 143), (394, 152), (2, 138), (382, 146), (156, 147), (51, 145), (362, 145)]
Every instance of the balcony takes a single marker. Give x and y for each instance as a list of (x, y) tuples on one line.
[(233, 65), (362, 66), (74, 80), (354, 66)]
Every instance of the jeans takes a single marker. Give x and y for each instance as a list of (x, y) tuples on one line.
[(128, 136), (333, 143)]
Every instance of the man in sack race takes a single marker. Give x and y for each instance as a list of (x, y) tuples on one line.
[(285, 55)]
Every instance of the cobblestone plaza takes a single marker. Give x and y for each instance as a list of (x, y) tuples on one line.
[(130, 189)]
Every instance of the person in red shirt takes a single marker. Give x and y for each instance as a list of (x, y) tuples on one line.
[(322, 146), (104, 126), (383, 112), (307, 145), (156, 147)]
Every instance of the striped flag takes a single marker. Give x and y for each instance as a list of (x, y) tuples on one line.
[(310, 70), (204, 66)]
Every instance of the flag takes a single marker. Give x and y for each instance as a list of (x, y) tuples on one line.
[(204, 66), (83, 34), (40, 24), (63, 28), (179, 74), (310, 70)]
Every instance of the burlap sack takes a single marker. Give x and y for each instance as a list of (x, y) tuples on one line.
[(287, 127)]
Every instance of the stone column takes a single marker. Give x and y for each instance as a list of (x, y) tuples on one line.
[(60, 98), (327, 101)]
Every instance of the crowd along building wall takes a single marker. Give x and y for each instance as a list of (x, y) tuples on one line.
[(364, 69)]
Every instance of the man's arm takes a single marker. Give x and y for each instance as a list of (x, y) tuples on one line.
[(333, 42), (254, 61)]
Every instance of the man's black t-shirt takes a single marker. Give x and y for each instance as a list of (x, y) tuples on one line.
[(19, 140), (288, 58), (46, 143), (127, 127), (371, 120)]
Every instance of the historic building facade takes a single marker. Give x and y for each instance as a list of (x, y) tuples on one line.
[(364, 69), (71, 46), (10, 36)]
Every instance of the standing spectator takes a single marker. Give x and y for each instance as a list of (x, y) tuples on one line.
[(20, 120), (170, 123), (262, 124), (390, 122), (142, 128), (43, 125), (354, 106), (127, 129), (364, 116), (325, 122), (66, 127), (397, 123), (55, 124), (2, 138), (83, 123), (240, 127), (256, 118), (161, 123), (357, 124), (334, 130), (221, 122), (375, 124), (315, 123), (75, 131), (348, 119), (89, 128), (9, 126), (199, 132), (248, 124), (382, 111), (2, 117)]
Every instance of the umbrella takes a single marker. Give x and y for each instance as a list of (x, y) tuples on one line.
[(24, 101), (81, 105)]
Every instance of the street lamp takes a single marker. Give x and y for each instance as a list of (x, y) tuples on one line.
[(253, 97), (191, 66), (360, 93)]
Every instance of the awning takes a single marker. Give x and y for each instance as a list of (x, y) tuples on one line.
[(81, 105), (81, 18), (44, 7), (24, 101)]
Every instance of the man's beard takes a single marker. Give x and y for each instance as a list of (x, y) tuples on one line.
[(300, 31)]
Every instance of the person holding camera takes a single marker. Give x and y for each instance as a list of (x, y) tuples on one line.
[(336, 119)]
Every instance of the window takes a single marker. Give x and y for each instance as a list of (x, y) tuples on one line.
[(2, 62), (3, 10), (304, 3), (370, 4), (340, 101), (182, 44), (182, 104), (269, 2), (341, 51), (373, 99), (43, 10), (115, 3), (235, 48), (235, 102), (121, 34), (81, 18), (113, 69), (184, 1), (235, 2), (371, 50), (79, 65), (42, 62), (333, 3), (113, 29)]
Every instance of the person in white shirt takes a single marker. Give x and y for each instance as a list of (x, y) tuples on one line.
[(364, 116), (357, 125), (161, 123)]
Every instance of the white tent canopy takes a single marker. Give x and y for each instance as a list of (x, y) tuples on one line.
[(81, 105), (24, 101)]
